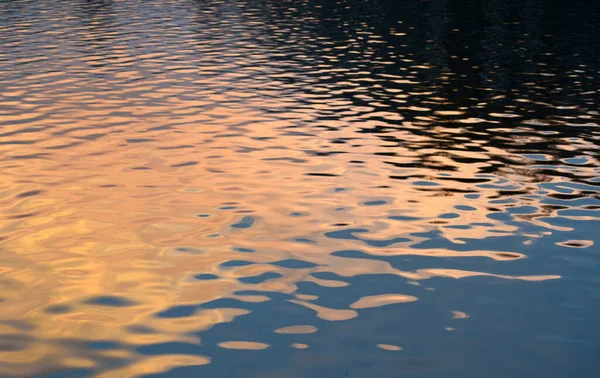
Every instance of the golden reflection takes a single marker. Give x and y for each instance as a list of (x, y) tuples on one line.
[(393, 348), (325, 313), (576, 243), (382, 300), (155, 365), (124, 200), (299, 346), (301, 329), (459, 315), (249, 345)]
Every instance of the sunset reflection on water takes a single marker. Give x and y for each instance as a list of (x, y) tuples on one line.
[(181, 180)]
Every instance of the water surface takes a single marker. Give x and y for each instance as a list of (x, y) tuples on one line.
[(299, 188)]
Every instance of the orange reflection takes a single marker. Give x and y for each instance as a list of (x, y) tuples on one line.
[(116, 195)]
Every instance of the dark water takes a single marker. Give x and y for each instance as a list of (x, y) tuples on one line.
[(293, 188)]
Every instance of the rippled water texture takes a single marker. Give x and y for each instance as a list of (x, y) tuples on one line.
[(300, 189)]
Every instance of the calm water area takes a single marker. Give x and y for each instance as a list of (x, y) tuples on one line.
[(300, 188)]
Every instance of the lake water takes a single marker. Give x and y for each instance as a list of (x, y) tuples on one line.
[(294, 188)]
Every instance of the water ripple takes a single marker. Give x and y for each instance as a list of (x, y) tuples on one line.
[(227, 188)]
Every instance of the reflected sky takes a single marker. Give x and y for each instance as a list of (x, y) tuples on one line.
[(299, 188)]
